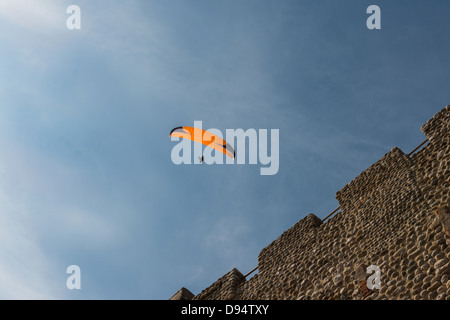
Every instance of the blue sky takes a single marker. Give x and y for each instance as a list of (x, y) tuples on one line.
[(86, 176)]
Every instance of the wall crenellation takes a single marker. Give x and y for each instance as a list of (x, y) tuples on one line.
[(395, 215)]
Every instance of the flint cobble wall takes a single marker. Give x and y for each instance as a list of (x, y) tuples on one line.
[(394, 215)]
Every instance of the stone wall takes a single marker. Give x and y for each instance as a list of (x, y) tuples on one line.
[(395, 215), (223, 289)]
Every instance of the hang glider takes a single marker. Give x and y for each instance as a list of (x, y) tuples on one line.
[(204, 137)]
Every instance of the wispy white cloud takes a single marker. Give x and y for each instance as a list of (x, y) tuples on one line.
[(47, 201), (226, 236), (36, 16), (44, 214), (26, 271)]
